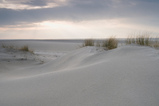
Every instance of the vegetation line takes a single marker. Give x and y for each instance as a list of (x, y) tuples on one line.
[(108, 44), (23, 48), (143, 39)]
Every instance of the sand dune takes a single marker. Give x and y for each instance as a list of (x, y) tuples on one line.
[(89, 76)]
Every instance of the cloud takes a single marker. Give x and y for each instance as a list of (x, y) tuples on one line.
[(29, 4), (36, 3), (43, 2), (32, 11)]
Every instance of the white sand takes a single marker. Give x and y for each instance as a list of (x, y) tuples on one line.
[(126, 76)]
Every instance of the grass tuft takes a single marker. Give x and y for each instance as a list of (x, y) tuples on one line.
[(110, 43), (143, 39), (23, 48), (130, 40), (26, 49), (7, 46), (88, 42)]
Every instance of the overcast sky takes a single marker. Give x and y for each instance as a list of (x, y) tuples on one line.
[(66, 19)]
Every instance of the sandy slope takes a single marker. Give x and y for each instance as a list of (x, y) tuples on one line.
[(126, 76)]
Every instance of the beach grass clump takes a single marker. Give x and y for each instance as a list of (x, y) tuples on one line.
[(7, 46), (130, 40), (143, 39), (110, 43), (23, 48), (26, 49), (88, 42), (147, 40), (140, 40)]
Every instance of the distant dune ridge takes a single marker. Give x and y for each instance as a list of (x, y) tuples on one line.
[(60, 73)]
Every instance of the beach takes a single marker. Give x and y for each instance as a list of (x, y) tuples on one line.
[(62, 73)]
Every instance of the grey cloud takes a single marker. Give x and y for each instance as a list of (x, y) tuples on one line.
[(14, 1), (29, 2), (78, 10), (40, 2), (36, 3)]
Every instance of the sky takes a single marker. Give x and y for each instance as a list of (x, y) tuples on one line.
[(77, 19)]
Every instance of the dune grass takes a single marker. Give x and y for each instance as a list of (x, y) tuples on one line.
[(143, 39), (130, 40), (26, 49), (23, 48), (7, 46), (110, 43), (88, 42)]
